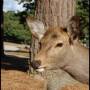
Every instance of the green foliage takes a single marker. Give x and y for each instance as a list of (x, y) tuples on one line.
[(15, 27), (14, 30), (83, 12)]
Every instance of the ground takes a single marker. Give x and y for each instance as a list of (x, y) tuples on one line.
[(17, 80), (14, 76)]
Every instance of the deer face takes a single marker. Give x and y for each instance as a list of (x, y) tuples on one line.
[(53, 47), (54, 43)]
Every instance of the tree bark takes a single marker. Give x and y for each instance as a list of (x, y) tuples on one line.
[(1, 26), (55, 12)]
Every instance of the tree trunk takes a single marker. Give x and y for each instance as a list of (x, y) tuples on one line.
[(1, 26), (52, 13), (55, 12)]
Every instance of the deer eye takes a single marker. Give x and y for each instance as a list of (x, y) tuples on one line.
[(59, 45)]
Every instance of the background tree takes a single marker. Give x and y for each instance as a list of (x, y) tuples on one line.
[(14, 30), (55, 12), (82, 10)]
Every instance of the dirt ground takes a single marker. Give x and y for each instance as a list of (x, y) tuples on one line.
[(14, 76), (17, 80)]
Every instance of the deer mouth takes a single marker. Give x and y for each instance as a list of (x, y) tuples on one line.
[(46, 67), (40, 70), (43, 68)]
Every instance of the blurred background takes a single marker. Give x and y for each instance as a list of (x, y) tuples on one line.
[(15, 27)]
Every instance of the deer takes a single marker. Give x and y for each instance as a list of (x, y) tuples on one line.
[(61, 59)]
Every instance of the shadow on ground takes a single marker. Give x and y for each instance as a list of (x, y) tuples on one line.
[(9, 62)]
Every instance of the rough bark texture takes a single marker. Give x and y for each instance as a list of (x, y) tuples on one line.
[(1, 26), (55, 12), (34, 49), (52, 13)]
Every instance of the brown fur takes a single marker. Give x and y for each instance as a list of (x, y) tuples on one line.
[(61, 80), (71, 58), (61, 55)]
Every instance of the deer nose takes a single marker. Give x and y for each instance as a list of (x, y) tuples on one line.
[(35, 64)]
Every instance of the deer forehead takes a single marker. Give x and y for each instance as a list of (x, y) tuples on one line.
[(55, 34)]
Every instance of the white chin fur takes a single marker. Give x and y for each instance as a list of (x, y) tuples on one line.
[(40, 70)]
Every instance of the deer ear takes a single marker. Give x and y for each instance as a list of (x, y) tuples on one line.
[(73, 28), (36, 27)]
